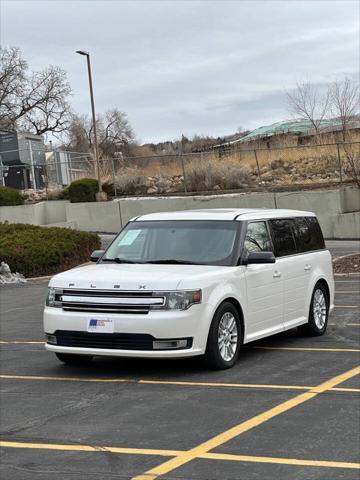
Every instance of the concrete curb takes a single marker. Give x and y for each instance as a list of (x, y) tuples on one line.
[(344, 256), (39, 278), (47, 277), (355, 275)]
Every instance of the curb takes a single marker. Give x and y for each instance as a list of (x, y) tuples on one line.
[(47, 277), (39, 278), (355, 275), (344, 256)]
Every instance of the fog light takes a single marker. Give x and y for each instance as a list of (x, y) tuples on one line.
[(169, 344), (51, 339)]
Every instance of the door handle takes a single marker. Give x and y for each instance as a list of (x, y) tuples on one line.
[(276, 274), (307, 268)]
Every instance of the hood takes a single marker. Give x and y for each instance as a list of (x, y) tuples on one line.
[(132, 276)]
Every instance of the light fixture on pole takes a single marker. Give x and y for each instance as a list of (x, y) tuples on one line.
[(100, 195)]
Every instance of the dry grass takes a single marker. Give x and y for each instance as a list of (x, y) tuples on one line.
[(233, 170), (130, 181), (222, 175)]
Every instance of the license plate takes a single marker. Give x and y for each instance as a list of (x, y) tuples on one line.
[(100, 325)]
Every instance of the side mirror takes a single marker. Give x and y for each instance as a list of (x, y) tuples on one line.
[(96, 254), (260, 257)]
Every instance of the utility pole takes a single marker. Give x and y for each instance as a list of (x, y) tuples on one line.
[(100, 196)]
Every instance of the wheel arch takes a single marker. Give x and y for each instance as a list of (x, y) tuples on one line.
[(239, 309), (325, 284)]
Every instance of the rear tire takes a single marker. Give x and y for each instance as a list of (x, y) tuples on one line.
[(319, 313), (224, 338), (71, 359)]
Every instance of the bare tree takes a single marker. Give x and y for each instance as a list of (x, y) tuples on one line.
[(307, 103), (344, 97), (37, 101), (113, 130)]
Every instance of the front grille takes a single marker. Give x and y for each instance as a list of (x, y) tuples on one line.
[(116, 341), (108, 301)]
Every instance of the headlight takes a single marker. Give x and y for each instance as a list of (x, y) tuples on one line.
[(52, 298), (178, 300)]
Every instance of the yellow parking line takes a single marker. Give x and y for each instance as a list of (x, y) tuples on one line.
[(338, 389), (347, 291), (241, 385), (309, 349), (20, 342), (224, 385), (63, 379), (284, 461), (347, 306), (175, 453), (205, 447), (171, 382), (354, 324), (90, 448), (354, 280)]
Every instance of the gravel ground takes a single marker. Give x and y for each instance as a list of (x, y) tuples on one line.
[(348, 264)]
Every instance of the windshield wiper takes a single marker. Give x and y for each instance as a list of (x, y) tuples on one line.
[(174, 261), (118, 260)]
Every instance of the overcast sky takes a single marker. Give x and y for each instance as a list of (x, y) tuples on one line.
[(205, 67)]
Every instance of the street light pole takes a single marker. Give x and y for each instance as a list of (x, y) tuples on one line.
[(100, 194)]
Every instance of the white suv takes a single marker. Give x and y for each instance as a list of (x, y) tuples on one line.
[(197, 282)]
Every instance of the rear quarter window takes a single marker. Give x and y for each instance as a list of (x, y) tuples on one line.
[(308, 233), (283, 237)]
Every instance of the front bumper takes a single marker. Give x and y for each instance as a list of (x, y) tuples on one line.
[(193, 323), (191, 352)]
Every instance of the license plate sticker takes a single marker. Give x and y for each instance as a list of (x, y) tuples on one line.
[(100, 325)]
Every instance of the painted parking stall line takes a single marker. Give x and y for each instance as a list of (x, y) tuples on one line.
[(237, 430), (309, 349), (174, 453), (22, 342), (179, 383)]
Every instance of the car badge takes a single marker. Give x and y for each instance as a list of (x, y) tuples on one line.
[(142, 287)]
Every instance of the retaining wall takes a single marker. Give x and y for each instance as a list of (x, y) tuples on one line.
[(338, 210)]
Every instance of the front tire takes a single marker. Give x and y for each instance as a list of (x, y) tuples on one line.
[(224, 339), (71, 359), (319, 313)]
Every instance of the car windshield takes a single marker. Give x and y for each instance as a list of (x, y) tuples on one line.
[(175, 242)]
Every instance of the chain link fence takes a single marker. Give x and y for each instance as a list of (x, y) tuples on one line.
[(227, 168)]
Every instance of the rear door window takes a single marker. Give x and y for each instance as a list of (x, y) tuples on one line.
[(283, 237), (308, 234)]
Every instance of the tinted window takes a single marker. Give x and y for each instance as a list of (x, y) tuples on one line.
[(308, 234), (257, 238), (283, 237)]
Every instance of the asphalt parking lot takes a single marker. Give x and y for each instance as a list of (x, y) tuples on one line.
[(289, 409)]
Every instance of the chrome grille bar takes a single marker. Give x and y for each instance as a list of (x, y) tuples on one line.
[(113, 300), (108, 301)]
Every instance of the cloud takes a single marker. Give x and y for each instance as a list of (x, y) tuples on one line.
[(188, 66)]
